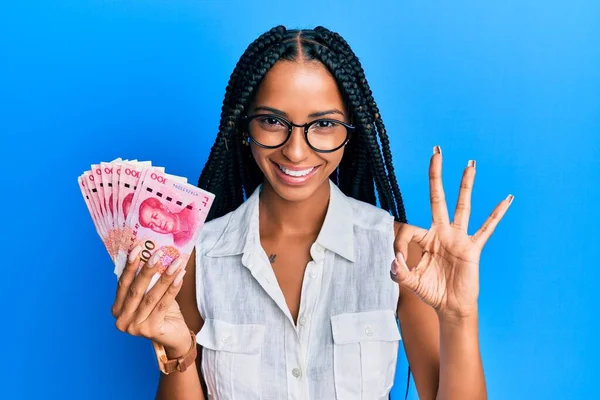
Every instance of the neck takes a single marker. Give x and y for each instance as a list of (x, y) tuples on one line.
[(279, 216)]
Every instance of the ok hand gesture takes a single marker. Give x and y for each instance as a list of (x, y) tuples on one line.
[(447, 276)]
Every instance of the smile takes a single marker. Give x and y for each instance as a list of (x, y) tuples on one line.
[(294, 176), (291, 172)]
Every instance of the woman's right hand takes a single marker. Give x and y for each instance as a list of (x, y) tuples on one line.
[(154, 315)]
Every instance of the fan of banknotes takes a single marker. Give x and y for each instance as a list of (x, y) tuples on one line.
[(133, 202)]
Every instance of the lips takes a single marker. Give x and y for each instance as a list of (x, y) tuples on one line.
[(294, 172), (294, 180)]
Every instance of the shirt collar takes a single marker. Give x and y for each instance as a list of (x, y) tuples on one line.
[(236, 237), (337, 232), (241, 235)]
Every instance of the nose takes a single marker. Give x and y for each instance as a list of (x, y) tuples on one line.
[(296, 149)]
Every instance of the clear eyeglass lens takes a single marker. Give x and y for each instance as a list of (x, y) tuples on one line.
[(268, 130), (273, 131), (327, 134)]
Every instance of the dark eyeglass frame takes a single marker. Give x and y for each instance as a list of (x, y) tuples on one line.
[(247, 119)]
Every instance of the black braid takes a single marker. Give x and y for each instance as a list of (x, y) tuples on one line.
[(365, 172), (362, 119), (339, 44), (227, 158)]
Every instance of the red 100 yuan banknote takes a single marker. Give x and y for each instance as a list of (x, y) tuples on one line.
[(166, 215), (132, 203)]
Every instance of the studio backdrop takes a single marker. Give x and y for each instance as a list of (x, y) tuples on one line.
[(514, 85)]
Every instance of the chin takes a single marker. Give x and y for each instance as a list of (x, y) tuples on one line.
[(294, 194)]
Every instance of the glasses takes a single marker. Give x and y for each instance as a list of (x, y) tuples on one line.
[(322, 135)]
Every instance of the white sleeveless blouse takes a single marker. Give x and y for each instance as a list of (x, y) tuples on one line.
[(345, 343)]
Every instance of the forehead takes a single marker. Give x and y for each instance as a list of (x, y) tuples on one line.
[(299, 88)]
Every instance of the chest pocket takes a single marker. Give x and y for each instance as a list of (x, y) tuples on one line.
[(231, 359), (365, 351)]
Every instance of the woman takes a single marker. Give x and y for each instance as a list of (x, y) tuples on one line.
[(293, 293)]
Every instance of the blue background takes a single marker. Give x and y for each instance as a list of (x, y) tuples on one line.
[(512, 84)]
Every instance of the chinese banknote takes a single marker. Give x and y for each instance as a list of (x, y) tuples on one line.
[(133, 202)]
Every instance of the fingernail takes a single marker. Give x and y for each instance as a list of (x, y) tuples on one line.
[(179, 277), (154, 259), (174, 266), (510, 199), (394, 269), (134, 253), (395, 263), (471, 163), (437, 150)]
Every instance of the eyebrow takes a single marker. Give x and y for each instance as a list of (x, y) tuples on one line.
[(313, 115)]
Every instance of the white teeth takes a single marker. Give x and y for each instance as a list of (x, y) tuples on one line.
[(295, 173)]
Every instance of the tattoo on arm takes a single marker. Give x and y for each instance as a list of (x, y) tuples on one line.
[(272, 258)]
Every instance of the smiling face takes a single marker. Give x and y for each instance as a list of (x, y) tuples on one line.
[(301, 92)]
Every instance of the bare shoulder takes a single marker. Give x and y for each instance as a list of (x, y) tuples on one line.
[(186, 298)]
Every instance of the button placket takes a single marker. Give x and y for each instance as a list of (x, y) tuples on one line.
[(312, 273), (294, 360), (311, 288)]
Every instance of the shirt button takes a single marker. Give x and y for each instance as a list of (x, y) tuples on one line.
[(296, 372), (225, 339), (302, 321), (312, 274), (369, 331)]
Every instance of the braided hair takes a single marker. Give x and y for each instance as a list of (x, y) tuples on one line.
[(365, 172)]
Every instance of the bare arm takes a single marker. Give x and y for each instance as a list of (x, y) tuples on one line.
[(420, 335), (443, 354), (461, 372), (185, 385)]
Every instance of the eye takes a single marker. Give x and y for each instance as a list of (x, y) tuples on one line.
[(324, 124), (272, 121)]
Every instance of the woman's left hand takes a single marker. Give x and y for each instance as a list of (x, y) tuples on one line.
[(447, 276)]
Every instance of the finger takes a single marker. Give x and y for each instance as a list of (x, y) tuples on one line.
[(408, 233), (126, 278), (400, 273), (137, 290), (483, 234), (463, 204), (439, 209), (157, 291), (160, 310)]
